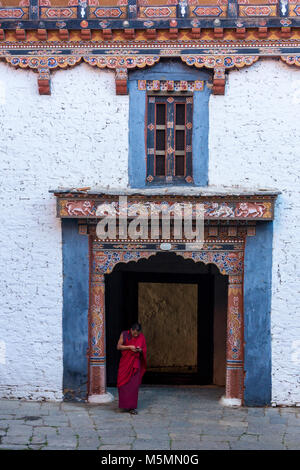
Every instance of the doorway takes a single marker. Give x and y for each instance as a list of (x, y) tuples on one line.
[(175, 300)]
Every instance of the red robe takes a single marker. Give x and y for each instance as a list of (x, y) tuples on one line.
[(130, 360)]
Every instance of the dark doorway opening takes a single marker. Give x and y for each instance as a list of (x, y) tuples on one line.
[(186, 356)]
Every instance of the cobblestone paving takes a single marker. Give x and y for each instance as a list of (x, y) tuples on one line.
[(175, 418)]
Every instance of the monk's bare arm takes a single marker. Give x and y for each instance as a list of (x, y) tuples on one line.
[(121, 347)]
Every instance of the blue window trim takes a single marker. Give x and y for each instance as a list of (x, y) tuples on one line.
[(168, 70)]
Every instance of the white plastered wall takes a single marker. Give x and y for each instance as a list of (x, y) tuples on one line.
[(254, 141), (78, 137)]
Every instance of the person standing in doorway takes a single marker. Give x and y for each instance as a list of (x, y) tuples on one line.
[(132, 366)]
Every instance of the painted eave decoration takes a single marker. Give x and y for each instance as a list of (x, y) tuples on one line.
[(219, 35), (230, 205)]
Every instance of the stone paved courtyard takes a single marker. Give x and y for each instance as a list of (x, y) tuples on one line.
[(169, 418)]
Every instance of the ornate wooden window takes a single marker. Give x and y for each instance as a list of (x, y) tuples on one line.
[(169, 138)]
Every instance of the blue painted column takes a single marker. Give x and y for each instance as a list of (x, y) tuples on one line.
[(75, 310), (257, 315)]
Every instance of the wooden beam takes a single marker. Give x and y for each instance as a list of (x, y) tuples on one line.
[(173, 33), (151, 33), (129, 33), (196, 33), (42, 34), (240, 33), (20, 34), (107, 34), (219, 81), (218, 33), (63, 34), (121, 78), (262, 33), (44, 81), (86, 34)]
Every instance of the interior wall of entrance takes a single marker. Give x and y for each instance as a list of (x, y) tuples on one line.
[(168, 314)]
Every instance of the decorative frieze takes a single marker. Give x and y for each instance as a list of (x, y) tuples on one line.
[(132, 50), (170, 85), (215, 208)]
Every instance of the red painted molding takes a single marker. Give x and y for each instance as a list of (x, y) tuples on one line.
[(219, 81), (107, 34), (151, 33), (42, 34), (121, 81), (173, 33), (121, 87), (129, 33), (20, 34), (2, 35), (262, 33), (218, 33), (86, 34), (63, 34), (196, 33), (44, 81), (240, 33), (44, 87), (286, 32)]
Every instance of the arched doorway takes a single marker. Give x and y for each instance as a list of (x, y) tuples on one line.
[(182, 306)]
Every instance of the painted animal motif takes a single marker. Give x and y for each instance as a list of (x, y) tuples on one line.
[(215, 209), (79, 208), (250, 209)]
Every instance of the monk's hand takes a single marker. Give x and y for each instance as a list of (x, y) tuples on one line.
[(132, 347)]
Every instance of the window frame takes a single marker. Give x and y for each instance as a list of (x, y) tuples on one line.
[(170, 100)]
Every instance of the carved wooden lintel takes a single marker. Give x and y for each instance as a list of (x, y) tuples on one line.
[(231, 207)]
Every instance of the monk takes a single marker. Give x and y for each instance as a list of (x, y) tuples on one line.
[(132, 366)]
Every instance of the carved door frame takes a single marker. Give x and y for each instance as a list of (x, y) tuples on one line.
[(227, 255)]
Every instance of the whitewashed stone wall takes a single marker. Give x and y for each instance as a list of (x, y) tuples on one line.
[(76, 137), (254, 141)]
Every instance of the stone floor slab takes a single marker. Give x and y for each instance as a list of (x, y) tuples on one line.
[(181, 418)]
